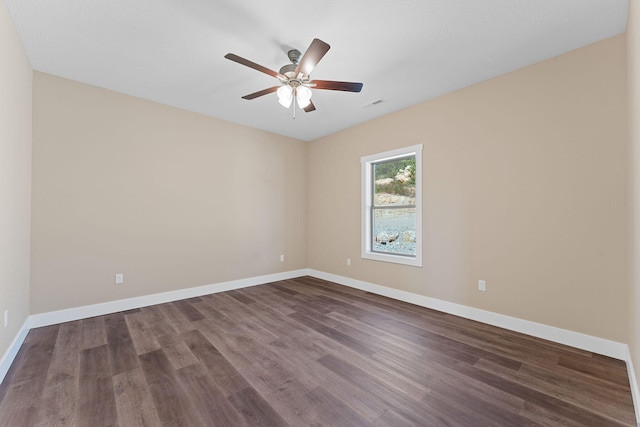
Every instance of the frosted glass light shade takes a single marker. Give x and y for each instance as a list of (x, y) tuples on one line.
[(285, 95), (303, 96)]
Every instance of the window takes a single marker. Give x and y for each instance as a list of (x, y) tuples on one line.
[(392, 206)]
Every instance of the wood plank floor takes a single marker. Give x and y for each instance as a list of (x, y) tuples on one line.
[(304, 352)]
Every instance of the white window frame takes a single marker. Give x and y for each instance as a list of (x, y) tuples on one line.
[(367, 204)]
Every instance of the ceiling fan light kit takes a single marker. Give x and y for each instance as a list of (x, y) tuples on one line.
[(295, 83)]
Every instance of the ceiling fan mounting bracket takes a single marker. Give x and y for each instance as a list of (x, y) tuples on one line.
[(294, 56)]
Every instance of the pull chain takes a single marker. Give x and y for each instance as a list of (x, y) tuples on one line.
[(295, 96)]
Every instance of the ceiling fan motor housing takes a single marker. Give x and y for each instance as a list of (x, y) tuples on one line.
[(288, 70)]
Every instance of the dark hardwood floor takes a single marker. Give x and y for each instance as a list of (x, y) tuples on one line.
[(304, 352)]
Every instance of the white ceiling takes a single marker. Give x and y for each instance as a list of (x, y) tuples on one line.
[(404, 51)]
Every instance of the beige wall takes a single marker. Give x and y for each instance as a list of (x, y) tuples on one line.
[(170, 198), (524, 186), (15, 179), (633, 40)]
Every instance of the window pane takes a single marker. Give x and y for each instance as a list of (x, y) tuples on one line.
[(394, 231), (391, 206), (395, 182)]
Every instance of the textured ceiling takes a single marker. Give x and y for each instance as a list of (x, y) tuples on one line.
[(404, 51)]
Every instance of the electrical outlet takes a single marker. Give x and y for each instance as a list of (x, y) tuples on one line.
[(281, 258), (348, 261), (6, 318), (482, 285), (119, 278)]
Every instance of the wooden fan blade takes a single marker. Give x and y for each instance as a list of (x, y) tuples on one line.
[(317, 49), (251, 64), (333, 85), (309, 108), (260, 93)]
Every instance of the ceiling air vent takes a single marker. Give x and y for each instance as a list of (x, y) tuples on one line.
[(371, 104)]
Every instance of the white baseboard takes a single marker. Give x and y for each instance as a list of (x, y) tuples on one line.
[(590, 343), (68, 315), (574, 339), (12, 351), (633, 382)]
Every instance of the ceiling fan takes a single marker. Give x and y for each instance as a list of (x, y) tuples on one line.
[(295, 81)]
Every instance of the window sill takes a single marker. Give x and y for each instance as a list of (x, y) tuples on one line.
[(396, 259)]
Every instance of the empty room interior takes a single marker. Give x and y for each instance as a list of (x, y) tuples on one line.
[(197, 230)]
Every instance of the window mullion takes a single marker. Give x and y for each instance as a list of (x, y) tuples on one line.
[(394, 207)]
